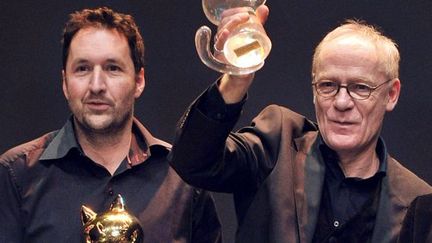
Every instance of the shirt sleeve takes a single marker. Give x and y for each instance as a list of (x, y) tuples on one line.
[(11, 229), (206, 225), (212, 105)]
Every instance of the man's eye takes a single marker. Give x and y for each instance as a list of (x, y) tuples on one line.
[(360, 87), (113, 68), (81, 69), (327, 84)]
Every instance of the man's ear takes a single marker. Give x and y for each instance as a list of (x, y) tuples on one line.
[(64, 85), (393, 94), (140, 83)]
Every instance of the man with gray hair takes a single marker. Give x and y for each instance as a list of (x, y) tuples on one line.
[(295, 180)]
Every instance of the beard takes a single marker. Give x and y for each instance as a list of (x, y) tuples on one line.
[(106, 123)]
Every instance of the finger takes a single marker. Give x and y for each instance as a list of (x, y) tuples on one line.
[(232, 11), (220, 39), (228, 24), (262, 13), (232, 20)]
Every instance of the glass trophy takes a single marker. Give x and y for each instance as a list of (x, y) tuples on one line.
[(114, 225), (246, 47)]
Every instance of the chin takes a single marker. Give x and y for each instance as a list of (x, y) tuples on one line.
[(341, 142), (97, 123)]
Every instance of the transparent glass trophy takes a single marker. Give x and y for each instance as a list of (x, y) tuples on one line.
[(246, 47)]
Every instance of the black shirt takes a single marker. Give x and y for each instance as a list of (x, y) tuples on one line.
[(43, 184), (349, 194), (348, 205)]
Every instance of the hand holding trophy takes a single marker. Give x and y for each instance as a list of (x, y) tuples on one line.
[(245, 48)]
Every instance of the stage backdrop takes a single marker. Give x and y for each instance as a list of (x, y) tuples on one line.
[(32, 103)]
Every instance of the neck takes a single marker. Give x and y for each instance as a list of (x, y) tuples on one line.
[(361, 165), (106, 148)]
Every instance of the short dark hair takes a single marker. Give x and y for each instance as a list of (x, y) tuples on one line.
[(105, 17)]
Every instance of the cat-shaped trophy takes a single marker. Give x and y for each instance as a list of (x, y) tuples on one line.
[(115, 225)]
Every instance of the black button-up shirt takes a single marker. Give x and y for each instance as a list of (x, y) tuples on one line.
[(349, 204), (43, 184), (349, 194)]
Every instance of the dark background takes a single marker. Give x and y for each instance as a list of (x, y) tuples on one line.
[(32, 103)]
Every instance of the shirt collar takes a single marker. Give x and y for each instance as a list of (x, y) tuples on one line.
[(381, 150), (62, 143), (65, 140), (142, 139), (329, 155)]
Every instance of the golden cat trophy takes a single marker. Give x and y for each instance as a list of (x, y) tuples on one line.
[(115, 225)]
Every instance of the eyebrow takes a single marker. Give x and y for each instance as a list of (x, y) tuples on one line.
[(109, 60), (114, 60), (349, 81), (80, 61)]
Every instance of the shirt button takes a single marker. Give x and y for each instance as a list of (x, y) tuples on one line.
[(336, 223), (219, 116), (110, 191)]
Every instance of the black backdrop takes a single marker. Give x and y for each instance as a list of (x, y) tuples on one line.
[(32, 103)]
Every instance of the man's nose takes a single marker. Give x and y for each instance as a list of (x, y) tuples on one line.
[(98, 81), (343, 99)]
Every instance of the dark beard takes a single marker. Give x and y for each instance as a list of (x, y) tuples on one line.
[(115, 127)]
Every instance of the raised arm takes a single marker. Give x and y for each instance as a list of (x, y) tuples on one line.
[(234, 88), (205, 152)]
